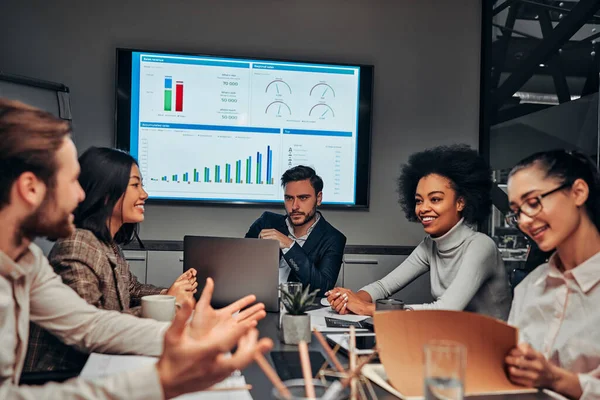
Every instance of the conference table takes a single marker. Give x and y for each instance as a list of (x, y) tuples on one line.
[(262, 387)]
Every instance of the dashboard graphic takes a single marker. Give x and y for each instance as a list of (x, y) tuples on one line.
[(225, 129)]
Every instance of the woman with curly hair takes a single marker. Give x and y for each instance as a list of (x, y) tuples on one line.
[(447, 190)]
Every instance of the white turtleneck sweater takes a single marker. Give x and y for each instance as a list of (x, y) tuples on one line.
[(467, 273)]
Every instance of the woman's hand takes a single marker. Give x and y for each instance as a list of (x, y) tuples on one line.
[(530, 368), (345, 301), (184, 287)]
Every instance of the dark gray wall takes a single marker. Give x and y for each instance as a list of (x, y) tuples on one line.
[(425, 52)]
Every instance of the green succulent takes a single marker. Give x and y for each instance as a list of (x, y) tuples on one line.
[(297, 303)]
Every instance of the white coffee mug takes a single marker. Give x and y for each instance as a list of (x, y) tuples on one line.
[(159, 307)]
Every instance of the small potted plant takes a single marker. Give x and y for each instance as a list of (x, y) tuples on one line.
[(295, 324)]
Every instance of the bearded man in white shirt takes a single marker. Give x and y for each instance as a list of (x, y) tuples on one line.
[(38, 192)]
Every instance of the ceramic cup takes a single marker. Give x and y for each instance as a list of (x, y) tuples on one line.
[(159, 307)]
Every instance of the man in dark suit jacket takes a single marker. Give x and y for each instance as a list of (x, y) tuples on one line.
[(311, 249)]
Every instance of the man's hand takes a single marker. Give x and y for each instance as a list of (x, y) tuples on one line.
[(208, 321), (274, 234), (192, 361), (345, 301), (184, 287)]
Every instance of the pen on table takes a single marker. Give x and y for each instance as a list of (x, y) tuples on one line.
[(272, 375), (352, 351), (306, 370), (330, 353)]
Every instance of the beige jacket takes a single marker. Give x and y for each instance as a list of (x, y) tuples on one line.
[(30, 290)]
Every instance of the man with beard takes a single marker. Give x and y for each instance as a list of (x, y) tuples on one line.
[(39, 190), (311, 249)]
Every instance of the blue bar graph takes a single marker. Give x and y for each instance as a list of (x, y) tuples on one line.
[(168, 82), (258, 168), (269, 164), (242, 174)]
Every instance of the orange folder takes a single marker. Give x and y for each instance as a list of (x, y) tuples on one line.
[(401, 336)]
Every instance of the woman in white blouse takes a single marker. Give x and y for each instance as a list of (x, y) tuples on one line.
[(555, 199)]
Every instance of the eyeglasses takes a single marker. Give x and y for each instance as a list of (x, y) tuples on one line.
[(530, 207)]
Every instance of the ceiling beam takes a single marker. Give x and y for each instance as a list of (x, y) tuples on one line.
[(550, 45)]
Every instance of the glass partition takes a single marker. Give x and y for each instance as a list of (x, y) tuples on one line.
[(540, 83)]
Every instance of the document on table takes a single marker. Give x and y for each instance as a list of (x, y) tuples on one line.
[(101, 365), (401, 336), (317, 319)]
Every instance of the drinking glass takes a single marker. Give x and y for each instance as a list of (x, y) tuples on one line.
[(444, 370)]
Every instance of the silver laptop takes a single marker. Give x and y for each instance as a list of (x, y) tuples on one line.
[(238, 266)]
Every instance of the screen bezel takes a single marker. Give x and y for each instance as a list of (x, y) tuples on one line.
[(122, 119)]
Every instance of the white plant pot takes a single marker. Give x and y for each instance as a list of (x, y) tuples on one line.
[(296, 328)]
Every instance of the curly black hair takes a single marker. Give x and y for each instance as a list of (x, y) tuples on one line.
[(469, 174)]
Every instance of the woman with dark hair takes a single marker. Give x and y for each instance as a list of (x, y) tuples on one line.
[(555, 200), (90, 260), (446, 189)]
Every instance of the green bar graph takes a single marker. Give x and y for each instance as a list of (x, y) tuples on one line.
[(248, 171), (168, 94)]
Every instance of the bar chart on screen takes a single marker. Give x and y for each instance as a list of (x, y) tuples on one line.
[(207, 92), (168, 97), (211, 163)]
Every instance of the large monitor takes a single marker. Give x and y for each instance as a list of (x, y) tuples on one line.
[(223, 129)]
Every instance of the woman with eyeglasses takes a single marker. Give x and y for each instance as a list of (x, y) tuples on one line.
[(555, 200), (91, 261), (447, 190)]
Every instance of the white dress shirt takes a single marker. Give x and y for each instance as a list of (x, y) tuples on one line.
[(558, 314), (284, 268), (30, 290)]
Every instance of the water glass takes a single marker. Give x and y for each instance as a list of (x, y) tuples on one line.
[(292, 288), (444, 371)]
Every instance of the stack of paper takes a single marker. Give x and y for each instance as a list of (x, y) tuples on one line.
[(101, 365)]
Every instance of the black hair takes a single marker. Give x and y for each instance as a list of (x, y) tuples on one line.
[(470, 177), (567, 167), (104, 178), (301, 173)]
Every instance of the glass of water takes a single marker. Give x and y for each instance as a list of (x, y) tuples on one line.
[(292, 288), (445, 363)]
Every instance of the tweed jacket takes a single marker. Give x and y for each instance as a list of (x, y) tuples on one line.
[(99, 275)]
